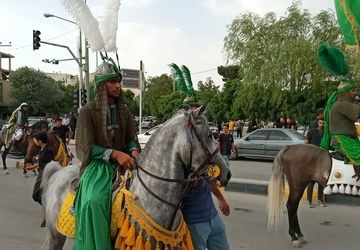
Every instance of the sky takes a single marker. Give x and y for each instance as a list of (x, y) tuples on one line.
[(158, 32)]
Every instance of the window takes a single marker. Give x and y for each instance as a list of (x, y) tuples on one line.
[(278, 136), (258, 135)]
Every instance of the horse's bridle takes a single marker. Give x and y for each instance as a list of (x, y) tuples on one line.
[(192, 179)]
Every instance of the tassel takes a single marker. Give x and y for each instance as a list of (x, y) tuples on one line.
[(347, 189), (335, 189), (139, 245), (188, 241), (130, 239), (125, 228), (128, 248), (354, 190), (147, 244), (183, 246), (123, 246), (341, 189), (118, 242), (121, 218), (157, 246), (327, 190)]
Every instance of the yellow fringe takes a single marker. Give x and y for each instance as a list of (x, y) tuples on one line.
[(147, 244), (118, 242), (183, 246), (188, 241), (157, 246), (121, 218), (125, 228), (128, 248), (139, 244), (130, 239), (123, 246)]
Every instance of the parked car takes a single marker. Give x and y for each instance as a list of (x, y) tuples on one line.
[(144, 138), (265, 143)]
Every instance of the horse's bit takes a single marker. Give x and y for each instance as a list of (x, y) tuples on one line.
[(193, 178)]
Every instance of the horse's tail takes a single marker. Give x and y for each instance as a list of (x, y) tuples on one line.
[(49, 170), (275, 192)]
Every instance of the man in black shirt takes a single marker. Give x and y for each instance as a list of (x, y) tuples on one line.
[(226, 143), (314, 137), (64, 132)]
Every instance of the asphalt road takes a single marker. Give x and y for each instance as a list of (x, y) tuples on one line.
[(330, 228)]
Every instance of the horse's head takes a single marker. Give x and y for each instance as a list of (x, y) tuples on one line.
[(31, 148), (204, 152)]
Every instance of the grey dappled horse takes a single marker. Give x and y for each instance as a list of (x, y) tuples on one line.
[(183, 141), (300, 164)]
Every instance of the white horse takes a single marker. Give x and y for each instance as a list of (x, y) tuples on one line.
[(183, 141)]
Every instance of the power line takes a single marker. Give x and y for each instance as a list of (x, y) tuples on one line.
[(208, 70), (53, 38)]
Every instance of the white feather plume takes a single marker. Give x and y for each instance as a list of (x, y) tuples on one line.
[(86, 21), (109, 24)]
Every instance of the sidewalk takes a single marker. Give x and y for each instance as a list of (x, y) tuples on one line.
[(260, 187)]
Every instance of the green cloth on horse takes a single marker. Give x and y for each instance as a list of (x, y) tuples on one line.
[(93, 203), (349, 146)]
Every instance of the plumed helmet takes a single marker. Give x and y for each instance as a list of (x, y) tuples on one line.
[(106, 71)]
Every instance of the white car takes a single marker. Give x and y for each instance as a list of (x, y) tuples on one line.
[(144, 138)]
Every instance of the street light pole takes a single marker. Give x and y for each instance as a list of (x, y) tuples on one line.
[(82, 66)]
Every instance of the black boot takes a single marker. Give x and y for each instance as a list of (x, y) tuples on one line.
[(357, 172)]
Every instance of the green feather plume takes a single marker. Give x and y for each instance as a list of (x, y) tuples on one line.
[(178, 78), (332, 59), (187, 77)]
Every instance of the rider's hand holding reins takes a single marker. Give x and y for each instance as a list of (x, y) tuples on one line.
[(123, 159)]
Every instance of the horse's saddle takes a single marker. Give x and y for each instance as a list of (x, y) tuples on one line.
[(341, 179), (126, 215)]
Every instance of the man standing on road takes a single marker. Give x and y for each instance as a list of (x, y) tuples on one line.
[(314, 137), (226, 144)]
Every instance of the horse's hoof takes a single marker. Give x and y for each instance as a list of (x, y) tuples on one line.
[(296, 244), (6, 171), (302, 240)]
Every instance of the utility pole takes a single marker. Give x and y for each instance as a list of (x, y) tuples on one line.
[(141, 83)]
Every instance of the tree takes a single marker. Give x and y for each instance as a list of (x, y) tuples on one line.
[(35, 88), (278, 62)]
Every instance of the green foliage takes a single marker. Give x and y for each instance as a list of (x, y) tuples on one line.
[(130, 101), (280, 73), (35, 88)]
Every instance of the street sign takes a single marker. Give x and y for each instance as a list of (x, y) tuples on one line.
[(130, 78)]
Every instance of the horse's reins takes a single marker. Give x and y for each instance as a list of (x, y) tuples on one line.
[(193, 178)]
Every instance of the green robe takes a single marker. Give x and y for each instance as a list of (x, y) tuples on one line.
[(343, 115), (93, 197)]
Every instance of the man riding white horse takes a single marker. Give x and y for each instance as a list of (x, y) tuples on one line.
[(17, 122)]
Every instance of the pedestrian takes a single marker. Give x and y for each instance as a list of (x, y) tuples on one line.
[(46, 155), (16, 125), (319, 115), (63, 131), (252, 126), (314, 137), (226, 143), (239, 128), (73, 121), (231, 126), (105, 140)]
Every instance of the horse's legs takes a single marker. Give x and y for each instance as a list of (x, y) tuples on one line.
[(56, 240), (3, 156), (292, 206)]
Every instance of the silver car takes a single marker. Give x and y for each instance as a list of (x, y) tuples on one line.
[(265, 143)]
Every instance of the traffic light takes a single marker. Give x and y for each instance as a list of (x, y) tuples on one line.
[(36, 39), (83, 97), (76, 98)]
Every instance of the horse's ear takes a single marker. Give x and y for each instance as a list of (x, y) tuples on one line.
[(200, 110)]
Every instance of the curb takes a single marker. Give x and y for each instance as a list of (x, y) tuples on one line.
[(260, 188)]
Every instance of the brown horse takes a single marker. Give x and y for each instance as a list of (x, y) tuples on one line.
[(55, 142), (300, 164)]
